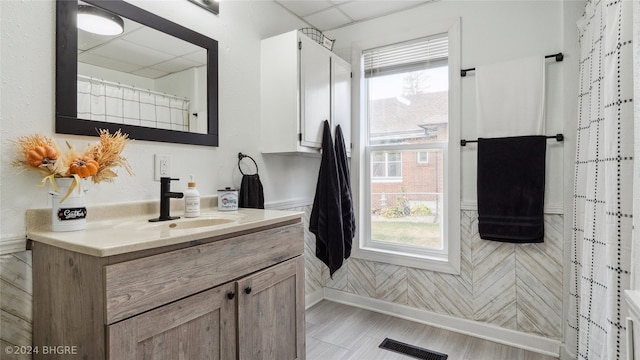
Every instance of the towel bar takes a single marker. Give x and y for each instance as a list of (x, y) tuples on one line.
[(558, 137), (559, 57)]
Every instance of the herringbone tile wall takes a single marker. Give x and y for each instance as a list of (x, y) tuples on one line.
[(15, 303), (514, 286)]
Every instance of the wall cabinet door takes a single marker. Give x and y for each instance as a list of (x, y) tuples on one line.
[(341, 98), (315, 91), (201, 326), (271, 313)]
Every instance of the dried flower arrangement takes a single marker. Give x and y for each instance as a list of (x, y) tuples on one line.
[(42, 154)]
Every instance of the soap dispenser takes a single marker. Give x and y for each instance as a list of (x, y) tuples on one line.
[(191, 200)]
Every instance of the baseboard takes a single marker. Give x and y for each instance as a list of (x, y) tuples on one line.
[(468, 327), (313, 298), (288, 204), (13, 244)]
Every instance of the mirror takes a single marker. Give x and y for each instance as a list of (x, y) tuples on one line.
[(79, 66)]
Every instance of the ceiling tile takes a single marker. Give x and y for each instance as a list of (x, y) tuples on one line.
[(150, 73), (131, 53), (104, 62), (348, 11), (175, 65), (360, 10), (152, 38), (199, 57), (328, 19), (87, 40), (303, 8)]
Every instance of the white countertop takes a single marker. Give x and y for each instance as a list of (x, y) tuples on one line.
[(123, 234)]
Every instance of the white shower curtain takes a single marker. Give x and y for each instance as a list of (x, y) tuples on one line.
[(124, 104), (601, 243)]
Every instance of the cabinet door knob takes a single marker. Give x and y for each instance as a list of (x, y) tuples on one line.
[(231, 295), (247, 290)]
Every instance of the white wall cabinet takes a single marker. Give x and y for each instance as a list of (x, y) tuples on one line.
[(302, 85)]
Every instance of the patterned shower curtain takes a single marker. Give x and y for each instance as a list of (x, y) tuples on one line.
[(601, 243)]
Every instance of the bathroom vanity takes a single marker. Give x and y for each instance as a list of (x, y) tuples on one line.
[(222, 286)]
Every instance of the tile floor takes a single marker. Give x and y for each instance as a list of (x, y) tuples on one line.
[(341, 332)]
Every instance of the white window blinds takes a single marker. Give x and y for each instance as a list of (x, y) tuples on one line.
[(413, 55)]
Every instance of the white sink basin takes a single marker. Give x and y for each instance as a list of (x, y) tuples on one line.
[(180, 224)]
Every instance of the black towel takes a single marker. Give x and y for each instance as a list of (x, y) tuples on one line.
[(251, 192), (511, 188), (326, 218), (346, 197)]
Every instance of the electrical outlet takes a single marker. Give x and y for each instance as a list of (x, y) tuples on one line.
[(162, 166)]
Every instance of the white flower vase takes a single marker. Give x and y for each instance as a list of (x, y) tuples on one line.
[(71, 214)]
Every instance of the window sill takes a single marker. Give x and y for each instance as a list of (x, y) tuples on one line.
[(445, 264)]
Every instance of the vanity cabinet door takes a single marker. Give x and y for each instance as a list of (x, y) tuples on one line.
[(201, 326), (271, 313)]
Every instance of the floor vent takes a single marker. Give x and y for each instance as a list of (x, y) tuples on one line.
[(411, 350)]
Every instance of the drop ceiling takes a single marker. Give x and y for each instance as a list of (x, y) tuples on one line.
[(140, 51), (149, 53), (332, 14)]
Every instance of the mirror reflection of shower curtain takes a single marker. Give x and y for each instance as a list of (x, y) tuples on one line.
[(102, 100)]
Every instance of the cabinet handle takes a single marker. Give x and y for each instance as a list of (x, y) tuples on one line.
[(247, 290), (231, 295)]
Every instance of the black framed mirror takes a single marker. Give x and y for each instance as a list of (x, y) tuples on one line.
[(67, 119)]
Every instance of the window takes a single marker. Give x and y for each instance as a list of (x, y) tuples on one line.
[(386, 166), (423, 157), (408, 137)]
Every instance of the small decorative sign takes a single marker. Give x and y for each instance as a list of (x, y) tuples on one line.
[(65, 214)]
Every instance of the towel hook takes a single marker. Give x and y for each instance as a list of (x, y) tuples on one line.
[(242, 156)]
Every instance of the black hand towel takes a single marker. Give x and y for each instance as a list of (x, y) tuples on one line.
[(510, 184), (348, 216), (251, 192), (326, 218)]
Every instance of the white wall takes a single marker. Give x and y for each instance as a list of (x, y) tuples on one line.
[(492, 31), (115, 76), (28, 106)]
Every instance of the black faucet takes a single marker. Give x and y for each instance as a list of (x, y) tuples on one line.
[(165, 196)]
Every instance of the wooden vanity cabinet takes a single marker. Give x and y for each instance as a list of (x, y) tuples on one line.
[(233, 297)]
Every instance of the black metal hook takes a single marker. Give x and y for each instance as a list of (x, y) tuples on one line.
[(242, 156)]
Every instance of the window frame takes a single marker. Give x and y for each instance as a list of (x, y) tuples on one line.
[(446, 260)]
